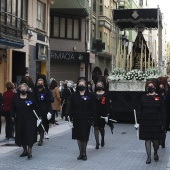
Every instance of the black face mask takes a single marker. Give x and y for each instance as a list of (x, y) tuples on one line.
[(150, 89), (40, 86), (162, 90), (23, 92), (99, 88), (81, 88)]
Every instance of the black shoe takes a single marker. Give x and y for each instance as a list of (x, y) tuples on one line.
[(79, 157), (84, 157), (148, 161), (29, 156), (97, 146), (163, 145), (156, 157), (102, 143), (40, 143), (24, 154)]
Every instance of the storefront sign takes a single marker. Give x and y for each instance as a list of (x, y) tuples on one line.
[(66, 56)]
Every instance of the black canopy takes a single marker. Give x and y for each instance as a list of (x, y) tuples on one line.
[(134, 18)]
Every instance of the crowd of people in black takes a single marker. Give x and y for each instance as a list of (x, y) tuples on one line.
[(29, 109)]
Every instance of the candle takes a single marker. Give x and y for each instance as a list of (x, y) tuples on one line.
[(145, 57), (118, 55), (149, 60), (141, 58)]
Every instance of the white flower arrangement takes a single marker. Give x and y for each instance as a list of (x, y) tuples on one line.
[(121, 74)]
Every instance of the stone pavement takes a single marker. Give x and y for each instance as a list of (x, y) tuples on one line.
[(122, 151)]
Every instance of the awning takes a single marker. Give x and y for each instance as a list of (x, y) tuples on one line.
[(135, 18), (5, 43)]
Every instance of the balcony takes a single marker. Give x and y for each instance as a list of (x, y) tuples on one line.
[(71, 7), (10, 31)]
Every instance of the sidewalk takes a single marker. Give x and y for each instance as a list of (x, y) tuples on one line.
[(9, 146)]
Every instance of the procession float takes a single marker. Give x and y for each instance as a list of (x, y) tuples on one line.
[(139, 64)]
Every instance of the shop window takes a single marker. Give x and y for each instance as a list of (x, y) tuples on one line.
[(40, 15), (66, 28)]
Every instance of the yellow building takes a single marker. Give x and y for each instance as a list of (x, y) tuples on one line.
[(27, 52)]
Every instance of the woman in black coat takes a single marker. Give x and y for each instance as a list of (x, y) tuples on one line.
[(82, 112), (151, 115), (65, 98), (23, 104), (102, 110), (43, 98)]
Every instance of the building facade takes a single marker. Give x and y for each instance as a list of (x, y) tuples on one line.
[(104, 30), (70, 39), (26, 25)]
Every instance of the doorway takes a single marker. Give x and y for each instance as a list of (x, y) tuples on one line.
[(18, 66)]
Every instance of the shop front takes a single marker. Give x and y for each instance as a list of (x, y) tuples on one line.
[(66, 65)]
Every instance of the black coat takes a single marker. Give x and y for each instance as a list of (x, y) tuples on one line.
[(168, 109), (151, 116), (102, 108), (25, 120), (43, 99), (82, 110)]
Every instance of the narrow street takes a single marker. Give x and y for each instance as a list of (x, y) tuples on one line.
[(122, 151)]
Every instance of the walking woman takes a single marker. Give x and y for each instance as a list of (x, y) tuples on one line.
[(162, 93), (151, 115), (65, 100), (22, 107), (43, 98), (82, 112), (102, 110), (56, 105), (7, 100)]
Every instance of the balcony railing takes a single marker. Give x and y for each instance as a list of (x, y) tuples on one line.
[(10, 26)]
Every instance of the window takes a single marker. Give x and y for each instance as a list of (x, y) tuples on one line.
[(93, 30), (140, 3), (25, 7), (40, 15), (14, 12), (9, 11), (2, 10), (68, 28), (19, 14)]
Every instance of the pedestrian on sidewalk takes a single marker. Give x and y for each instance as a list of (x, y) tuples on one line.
[(162, 93), (83, 114), (43, 98), (102, 110), (0, 110), (151, 118), (65, 100), (23, 104), (6, 105), (56, 105)]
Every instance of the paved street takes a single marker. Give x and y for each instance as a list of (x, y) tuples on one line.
[(122, 151)]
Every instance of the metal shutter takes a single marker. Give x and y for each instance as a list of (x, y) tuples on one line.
[(65, 71)]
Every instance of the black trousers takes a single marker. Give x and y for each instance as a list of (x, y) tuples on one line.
[(9, 128)]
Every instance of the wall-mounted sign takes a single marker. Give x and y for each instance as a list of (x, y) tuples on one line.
[(42, 52), (67, 56)]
